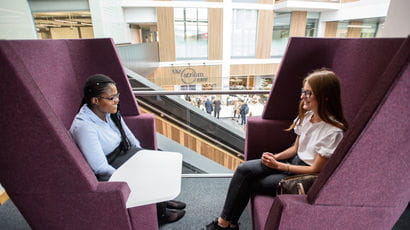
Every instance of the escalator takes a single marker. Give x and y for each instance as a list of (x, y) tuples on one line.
[(197, 121)]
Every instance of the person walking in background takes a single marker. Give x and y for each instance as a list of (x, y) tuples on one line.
[(217, 107), (235, 108), (208, 105), (244, 110)]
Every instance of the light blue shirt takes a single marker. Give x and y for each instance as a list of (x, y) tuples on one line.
[(97, 138)]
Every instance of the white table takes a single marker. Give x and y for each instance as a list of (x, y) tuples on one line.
[(153, 176)]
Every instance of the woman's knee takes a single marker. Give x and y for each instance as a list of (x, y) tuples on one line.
[(247, 167)]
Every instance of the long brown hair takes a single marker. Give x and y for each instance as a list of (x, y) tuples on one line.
[(326, 88)]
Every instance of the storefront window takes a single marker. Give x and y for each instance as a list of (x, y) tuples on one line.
[(312, 24), (369, 29), (244, 33), (342, 29), (238, 83), (263, 82), (191, 33), (280, 35)]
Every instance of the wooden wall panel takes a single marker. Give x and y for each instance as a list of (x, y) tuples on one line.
[(166, 34), (215, 33), (64, 33), (331, 29), (166, 77), (195, 143), (265, 1), (354, 32), (86, 32), (344, 1), (298, 23), (264, 34), (3, 197), (253, 69)]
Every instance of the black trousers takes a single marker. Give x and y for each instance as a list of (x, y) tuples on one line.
[(119, 160), (252, 177)]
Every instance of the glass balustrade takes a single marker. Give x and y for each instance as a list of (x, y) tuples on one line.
[(208, 123)]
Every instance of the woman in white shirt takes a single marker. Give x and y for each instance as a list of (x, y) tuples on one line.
[(319, 127), (105, 139)]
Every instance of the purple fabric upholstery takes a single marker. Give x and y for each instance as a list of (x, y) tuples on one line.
[(259, 133), (349, 58), (41, 168), (364, 114), (360, 166), (296, 213), (143, 122), (376, 167), (262, 205)]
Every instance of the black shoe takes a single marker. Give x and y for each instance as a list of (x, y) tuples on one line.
[(235, 228), (174, 204), (173, 215), (214, 226)]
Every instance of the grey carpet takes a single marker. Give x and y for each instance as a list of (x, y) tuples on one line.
[(204, 198)]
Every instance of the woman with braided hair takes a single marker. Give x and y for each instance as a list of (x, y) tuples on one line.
[(105, 139)]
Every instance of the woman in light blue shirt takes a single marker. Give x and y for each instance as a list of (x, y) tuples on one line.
[(106, 141)]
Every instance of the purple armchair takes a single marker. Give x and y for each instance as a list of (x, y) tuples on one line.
[(364, 184), (41, 168)]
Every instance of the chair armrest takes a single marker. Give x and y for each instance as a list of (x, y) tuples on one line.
[(143, 127), (294, 212), (121, 188), (263, 135)]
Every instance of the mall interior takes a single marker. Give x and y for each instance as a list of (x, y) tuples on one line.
[(190, 66)]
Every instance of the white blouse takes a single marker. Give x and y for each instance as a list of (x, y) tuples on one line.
[(316, 138)]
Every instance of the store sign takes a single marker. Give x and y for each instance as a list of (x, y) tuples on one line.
[(189, 75)]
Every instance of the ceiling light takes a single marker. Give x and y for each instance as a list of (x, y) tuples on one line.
[(65, 21), (359, 26)]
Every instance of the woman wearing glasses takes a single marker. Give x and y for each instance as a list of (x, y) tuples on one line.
[(319, 127), (105, 140)]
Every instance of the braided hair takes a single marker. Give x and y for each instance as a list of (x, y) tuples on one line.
[(94, 87)]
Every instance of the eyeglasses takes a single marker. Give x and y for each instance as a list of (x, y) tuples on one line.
[(117, 96), (306, 93)]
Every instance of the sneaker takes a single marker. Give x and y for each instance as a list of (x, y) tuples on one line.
[(214, 226)]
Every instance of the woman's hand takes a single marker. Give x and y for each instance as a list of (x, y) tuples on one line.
[(269, 160)]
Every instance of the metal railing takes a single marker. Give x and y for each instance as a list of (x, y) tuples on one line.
[(198, 92), (193, 92)]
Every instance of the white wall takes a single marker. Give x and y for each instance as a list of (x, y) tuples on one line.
[(16, 21), (397, 23), (108, 21), (358, 10), (140, 15)]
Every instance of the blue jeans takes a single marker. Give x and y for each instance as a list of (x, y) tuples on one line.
[(249, 178), (243, 117)]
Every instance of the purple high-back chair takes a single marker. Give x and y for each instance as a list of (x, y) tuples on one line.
[(368, 69), (41, 168)]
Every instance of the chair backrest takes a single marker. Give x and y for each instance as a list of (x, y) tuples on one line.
[(374, 170), (65, 66), (41, 89), (358, 63)]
